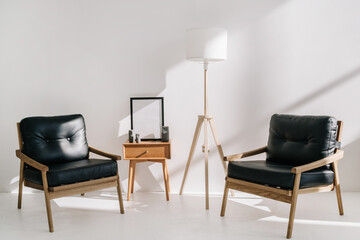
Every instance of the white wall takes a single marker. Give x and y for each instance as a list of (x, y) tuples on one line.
[(89, 57)]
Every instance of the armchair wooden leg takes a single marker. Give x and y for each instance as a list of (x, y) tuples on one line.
[(337, 187), (120, 195), (21, 183), (339, 200), (47, 201), (293, 205), (223, 207)]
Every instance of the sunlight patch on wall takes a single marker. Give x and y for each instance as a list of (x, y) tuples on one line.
[(124, 126), (14, 180)]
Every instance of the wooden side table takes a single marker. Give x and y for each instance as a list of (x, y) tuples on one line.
[(147, 151)]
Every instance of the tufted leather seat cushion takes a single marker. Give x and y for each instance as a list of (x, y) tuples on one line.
[(72, 172), (57, 139), (297, 140), (278, 175)]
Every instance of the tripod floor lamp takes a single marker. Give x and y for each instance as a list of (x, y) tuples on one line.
[(205, 45)]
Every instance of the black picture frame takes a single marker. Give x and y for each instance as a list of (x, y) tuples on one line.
[(136, 123)]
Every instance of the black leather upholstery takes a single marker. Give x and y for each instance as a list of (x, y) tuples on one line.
[(297, 140), (293, 141), (72, 172), (277, 175), (57, 139), (60, 143)]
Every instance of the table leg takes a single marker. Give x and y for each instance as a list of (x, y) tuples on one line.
[(166, 179), (133, 178), (130, 179)]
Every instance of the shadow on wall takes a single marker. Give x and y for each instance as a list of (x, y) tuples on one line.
[(332, 85), (148, 180), (145, 181), (259, 124), (104, 72), (171, 51), (352, 149)]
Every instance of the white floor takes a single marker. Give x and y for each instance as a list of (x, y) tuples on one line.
[(148, 216)]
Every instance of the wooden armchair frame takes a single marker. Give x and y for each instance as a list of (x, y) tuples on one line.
[(64, 190), (288, 196)]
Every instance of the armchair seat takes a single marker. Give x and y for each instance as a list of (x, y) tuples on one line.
[(278, 175), (73, 172)]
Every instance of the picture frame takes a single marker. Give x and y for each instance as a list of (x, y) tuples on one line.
[(147, 117)]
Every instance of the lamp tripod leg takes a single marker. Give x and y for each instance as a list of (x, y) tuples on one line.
[(192, 149), (219, 148), (206, 156)]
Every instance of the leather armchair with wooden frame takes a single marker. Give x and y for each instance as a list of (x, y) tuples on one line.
[(54, 157), (301, 157)]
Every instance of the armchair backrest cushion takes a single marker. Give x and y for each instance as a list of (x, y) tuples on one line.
[(296, 140), (54, 139)]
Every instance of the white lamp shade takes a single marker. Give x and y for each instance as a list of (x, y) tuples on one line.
[(206, 44)]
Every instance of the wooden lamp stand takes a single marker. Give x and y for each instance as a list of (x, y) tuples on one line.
[(204, 120)]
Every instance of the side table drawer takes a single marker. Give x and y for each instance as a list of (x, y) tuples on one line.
[(144, 151)]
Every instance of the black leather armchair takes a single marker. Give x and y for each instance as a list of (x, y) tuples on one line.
[(301, 157), (54, 156)]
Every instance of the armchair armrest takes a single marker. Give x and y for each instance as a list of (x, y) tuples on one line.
[(104, 154), (245, 154), (31, 161), (322, 162)]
